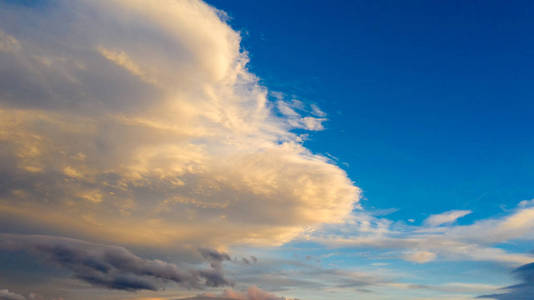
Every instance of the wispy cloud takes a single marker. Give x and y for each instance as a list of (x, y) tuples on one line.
[(421, 244), (448, 217)]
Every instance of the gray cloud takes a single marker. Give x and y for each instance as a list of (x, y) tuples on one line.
[(112, 267), (7, 295), (522, 291), (215, 258)]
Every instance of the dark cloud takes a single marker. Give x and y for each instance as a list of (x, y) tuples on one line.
[(214, 256), (521, 291), (248, 261), (113, 267), (215, 276), (7, 295)]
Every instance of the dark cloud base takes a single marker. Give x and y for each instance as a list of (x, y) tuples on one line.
[(115, 267)]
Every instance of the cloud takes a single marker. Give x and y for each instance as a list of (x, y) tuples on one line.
[(281, 275), (420, 256), (111, 267), (475, 242), (8, 43), (140, 124), (7, 295), (446, 217), (295, 119), (253, 293), (521, 291)]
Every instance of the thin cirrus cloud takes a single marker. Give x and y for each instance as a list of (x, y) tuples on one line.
[(422, 244), (139, 124), (448, 217)]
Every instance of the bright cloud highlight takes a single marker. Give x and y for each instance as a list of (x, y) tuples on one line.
[(140, 124)]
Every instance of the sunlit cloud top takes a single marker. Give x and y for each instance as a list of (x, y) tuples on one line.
[(140, 123)]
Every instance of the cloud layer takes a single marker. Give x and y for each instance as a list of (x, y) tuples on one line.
[(437, 237), (139, 123), (113, 267)]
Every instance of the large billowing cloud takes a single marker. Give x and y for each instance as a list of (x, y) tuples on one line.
[(137, 122)]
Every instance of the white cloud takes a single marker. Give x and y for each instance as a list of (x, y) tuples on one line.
[(317, 111), (476, 242), (446, 217), (139, 124), (526, 203)]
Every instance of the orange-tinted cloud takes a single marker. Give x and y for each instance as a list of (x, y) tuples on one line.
[(140, 124)]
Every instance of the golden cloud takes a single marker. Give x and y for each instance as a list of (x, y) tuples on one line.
[(138, 122)]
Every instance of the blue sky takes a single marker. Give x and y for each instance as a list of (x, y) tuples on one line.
[(430, 103), (266, 150)]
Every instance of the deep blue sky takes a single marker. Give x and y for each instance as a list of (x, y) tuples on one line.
[(430, 103)]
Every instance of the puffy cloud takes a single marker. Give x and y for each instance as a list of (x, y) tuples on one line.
[(111, 267), (7, 295), (446, 217), (139, 123), (521, 291)]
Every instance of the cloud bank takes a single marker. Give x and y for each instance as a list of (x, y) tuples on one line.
[(138, 123), (113, 267)]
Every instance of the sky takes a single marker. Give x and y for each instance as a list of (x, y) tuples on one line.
[(266, 150)]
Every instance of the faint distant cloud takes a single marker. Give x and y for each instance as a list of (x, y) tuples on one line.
[(420, 256), (317, 111), (252, 293), (429, 242), (7, 295), (446, 217), (8, 43)]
